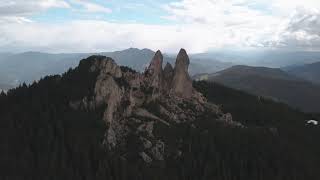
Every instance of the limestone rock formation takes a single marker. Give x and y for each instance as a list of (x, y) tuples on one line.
[(168, 75), (136, 104), (107, 66), (182, 83), (154, 71)]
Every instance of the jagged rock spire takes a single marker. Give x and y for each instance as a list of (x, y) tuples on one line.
[(155, 66), (154, 70), (167, 75), (183, 60), (182, 83)]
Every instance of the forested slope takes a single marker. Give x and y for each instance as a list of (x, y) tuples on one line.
[(42, 137)]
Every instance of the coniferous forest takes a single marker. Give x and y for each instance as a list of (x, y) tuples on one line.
[(43, 138)]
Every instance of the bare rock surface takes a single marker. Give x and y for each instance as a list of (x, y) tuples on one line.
[(167, 76), (182, 83), (137, 104), (154, 70)]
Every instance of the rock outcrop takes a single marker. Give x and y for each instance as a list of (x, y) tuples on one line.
[(168, 76), (154, 71), (182, 83), (135, 104)]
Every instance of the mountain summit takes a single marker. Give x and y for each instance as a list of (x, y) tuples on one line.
[(137, 103), (182, 83)]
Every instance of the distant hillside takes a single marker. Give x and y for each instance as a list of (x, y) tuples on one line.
[(266, 58), (250, 109), (310, 72), (30, 66), (4, 56), (27, 67), (271, 83), (241, 71)]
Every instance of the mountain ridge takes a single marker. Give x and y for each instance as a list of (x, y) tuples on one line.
[(263, 57), (27, 67), (269, 82), (309, 72)]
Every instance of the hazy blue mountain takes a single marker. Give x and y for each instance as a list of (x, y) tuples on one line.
[(267, 58), (270, 82), (139, 60), (310, 72), (3, 56), (30, 66), (207, 66), (134, 58)]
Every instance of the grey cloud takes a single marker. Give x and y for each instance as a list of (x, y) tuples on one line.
[(308, 22), (26, 7), (302, 32)]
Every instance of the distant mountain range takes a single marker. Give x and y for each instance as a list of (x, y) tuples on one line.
[(30, 66), (310, 72), (286, 84), (265, 58), (270, 82)]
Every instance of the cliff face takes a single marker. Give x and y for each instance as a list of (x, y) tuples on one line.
[(136, 104), (174, 80)]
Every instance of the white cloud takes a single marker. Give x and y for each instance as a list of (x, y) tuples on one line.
[(85, 36), (231, 22), (199, 25), (245, 23), (19, 10), (288, 6), (23, 7), (92, 7), (302, 31), (307, 21)]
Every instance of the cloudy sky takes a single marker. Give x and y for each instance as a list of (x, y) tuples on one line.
[(197, 25)]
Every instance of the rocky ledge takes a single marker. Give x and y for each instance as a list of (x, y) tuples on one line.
[(136, 103)]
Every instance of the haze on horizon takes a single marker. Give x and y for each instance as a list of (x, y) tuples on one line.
[(197, 25)]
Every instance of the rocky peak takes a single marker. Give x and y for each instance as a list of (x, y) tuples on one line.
[(102, 65), (182, 83), (154, 71), (155, 66), (136, 104), (182, 60)]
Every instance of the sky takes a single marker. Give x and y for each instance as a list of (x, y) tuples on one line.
[(64, 26)]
